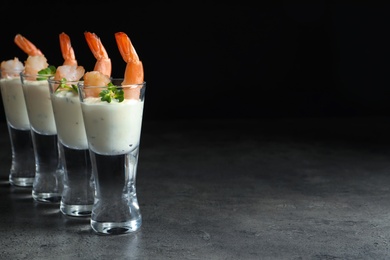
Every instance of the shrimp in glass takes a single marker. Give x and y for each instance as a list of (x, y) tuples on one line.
[(134, 72), (70, 70), (11, 68), (101, 74), (67, 50), (36, 61), (103, 63)]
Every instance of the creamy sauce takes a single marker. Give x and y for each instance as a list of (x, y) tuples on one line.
[(39, 107), (14, 103), (69, 119), (112, 128)]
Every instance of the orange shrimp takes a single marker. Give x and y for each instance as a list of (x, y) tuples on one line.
[(36, 61), (67, 50), (28, 47), (11, 68), (97, 79), (134, 72), (103, 63), (101, 74), (69, 70)]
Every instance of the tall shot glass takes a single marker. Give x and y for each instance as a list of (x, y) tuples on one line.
[(48, 181), (113, 132), (22, 172), (78, 194)]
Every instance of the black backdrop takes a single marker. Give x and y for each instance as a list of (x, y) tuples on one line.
[(205, 60)]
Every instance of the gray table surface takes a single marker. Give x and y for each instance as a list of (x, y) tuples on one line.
[(230, 189)]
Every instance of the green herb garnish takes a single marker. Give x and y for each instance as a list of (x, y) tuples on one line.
[(112, 92), (63, 87), (51, 70)]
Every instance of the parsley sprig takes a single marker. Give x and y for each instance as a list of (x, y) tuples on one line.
[(64, 87), (112, 92), (49, 71)]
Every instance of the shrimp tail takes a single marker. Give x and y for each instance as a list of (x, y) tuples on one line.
[(103, 63), (126, 49), (134, 73), (67, 50), (28, 47)]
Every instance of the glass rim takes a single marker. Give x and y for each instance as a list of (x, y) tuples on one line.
[(10, 73), (36, 75), (59, 81), (134, 85)]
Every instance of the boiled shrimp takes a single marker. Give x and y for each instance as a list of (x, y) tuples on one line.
[(103, 63), (69, 72), (11, 68), (28, 47), (70, 69), (95, 78), (36, 61), (134, 72), (100, 76), (67, 50)]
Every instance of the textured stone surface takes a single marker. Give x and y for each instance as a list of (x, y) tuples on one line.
[(216, 189)]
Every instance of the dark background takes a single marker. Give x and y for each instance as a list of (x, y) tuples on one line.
[(208, 60)]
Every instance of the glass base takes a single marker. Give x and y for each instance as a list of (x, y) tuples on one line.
[(76, 210), (46, 197), (116, 228), (21, 181)]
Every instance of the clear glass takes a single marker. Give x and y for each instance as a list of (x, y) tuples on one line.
[(113, 132), (78, 194), (48, 181), (22, 172)]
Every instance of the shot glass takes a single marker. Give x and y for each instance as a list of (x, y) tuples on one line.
[(78, 193), (113, 131), (48, 181), (22, 172)]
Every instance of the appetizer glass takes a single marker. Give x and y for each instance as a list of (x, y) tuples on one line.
[(48, 181), (22, 172), (113, 131), (78, 194)]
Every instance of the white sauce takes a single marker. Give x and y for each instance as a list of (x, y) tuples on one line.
[(39, 107), (14, 103), (69, 119), (112, 128)]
